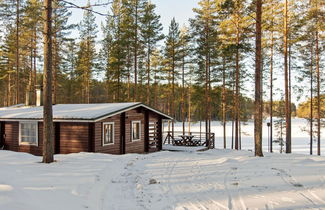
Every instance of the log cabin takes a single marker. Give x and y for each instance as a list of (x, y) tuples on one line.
[(112, 128)]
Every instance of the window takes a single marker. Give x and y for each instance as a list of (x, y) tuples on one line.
[(108, 133), (28, 134), (136, 130)]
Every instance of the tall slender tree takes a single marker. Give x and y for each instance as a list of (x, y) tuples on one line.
[(150, 35), (87, 52), (258, 82), (172, 55), (48, 131), (286, 78), (204, 32)]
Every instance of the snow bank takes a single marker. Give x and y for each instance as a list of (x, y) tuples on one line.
[(214, 179)]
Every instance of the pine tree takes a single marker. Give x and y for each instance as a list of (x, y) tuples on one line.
[(135, 9), (172, 61), (258, 82), (61, 29), (118, 53), (204, 32), (105, 55), (31, 23), (87, 52), (150, 36), (48, 131), (271, 19), (7, 64), (69, 64), (185, 52)]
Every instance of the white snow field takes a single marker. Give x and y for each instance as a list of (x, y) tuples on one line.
[(213, 179), (300, 138)]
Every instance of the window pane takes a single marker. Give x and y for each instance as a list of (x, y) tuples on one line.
[(108, 134), (28, 133), (136, 130), (110, 140)]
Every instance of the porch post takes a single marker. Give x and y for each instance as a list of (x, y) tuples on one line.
[(160, 137), (146, 131)]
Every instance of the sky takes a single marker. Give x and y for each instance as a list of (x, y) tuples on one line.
[(167, 9)]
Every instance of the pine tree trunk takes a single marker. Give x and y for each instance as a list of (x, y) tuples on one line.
[(48, 131), (55, 66), (318, 92), (129, 72), (311, 99), (148, 74), (271, 89), (173, 93), (34, 70), (207, 95), (209, 102), (206, 100), (135, 97), (156, 91), (118, 81), (224, 123), (258, 82), (286, 80), (237, 90), (9, 90), (55, 54), (17, 54), (189, 109), (289, 85), (183, 95)]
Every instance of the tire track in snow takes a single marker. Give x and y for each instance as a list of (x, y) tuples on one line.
[(98, 189), (232, 201), (170, 167), (290, 180), (208, 201), (104, 185)]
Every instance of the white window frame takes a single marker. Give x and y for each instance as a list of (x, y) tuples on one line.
[(26, 143), (133, 122), (103, 131)]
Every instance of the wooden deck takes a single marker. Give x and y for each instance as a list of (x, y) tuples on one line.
[(178, 138)]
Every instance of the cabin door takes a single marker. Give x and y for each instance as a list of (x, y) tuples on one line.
[(2, 135), (57, 138)]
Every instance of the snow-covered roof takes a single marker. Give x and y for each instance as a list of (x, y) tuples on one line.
[(65, 112)]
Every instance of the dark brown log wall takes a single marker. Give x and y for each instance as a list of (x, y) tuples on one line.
[(130, 147), (135, 146), (12, 139), (74, 137), (98, 136)]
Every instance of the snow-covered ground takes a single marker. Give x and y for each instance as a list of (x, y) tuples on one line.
[(213, 179), (300, 138)]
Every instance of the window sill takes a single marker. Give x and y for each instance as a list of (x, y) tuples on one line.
[(27, 144)]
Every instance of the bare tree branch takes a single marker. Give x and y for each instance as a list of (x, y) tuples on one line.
[(88, 7)]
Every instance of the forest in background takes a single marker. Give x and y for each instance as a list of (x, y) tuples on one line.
[(200, 72)]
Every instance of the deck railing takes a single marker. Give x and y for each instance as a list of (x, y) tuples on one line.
[(204, 139)]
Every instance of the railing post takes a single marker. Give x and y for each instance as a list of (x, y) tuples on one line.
[(168, 134)]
